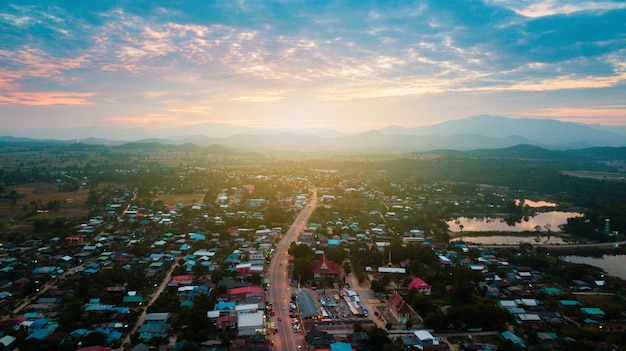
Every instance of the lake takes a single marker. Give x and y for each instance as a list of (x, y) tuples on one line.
[(544, 220), (614, 265), (535, 204), (510, 239)]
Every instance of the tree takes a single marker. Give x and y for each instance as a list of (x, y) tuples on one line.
[(378, 286), (94, 338), (347, 268), (336, 254), (303, 269), (13, 195), (254, 279), (378, 338), (301, 251)]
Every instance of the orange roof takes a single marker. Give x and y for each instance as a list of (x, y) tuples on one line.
[(325, 266)]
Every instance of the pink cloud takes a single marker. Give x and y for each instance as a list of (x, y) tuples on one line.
[(607, 115), (142, 120), (46, 98)]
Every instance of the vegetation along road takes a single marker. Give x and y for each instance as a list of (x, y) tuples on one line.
[(279, 292)]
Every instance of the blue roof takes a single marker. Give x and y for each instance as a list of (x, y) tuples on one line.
[(40, 334), (80, 332), (306, 304), (340, 346), (551, 291), (592, 311), (186, 303), (40, 323), (224, 305), (114, 336), (508, 335), (196, 236)]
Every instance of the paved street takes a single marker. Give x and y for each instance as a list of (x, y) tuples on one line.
[(142, 317), (279, 292)]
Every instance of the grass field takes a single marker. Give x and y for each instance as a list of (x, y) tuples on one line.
[(72, 203), (185, 199)]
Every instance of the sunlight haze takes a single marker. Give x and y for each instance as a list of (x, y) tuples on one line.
[(293, 65)]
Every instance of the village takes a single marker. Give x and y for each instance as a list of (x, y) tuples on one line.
[(194, 277)]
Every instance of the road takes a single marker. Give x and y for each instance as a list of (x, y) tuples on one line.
[(142, 317), (365, 295), (279, 292)]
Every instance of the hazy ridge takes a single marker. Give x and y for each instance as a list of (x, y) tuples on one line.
[(477, 132)]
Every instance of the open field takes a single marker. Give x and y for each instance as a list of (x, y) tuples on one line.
[(185, 199), (72, 203), (596, 175)]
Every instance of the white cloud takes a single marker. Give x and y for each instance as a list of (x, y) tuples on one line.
[(541, 8)]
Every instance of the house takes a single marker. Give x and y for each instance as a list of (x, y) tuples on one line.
[(325, 267), (421, 286), (185, 279), (246, 294), (7, 341), (399, 308), (340, 346), (393, 270), (156, 325), (250, 323), (424, 340), (225, 323), (516, 340)]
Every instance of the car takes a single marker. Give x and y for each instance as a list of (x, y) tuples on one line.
[(299, 347), (279, 319), (282, 297)]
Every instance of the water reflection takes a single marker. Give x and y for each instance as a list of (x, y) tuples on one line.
[(511, 239), (536, 204), (542, 222), (614, 265)]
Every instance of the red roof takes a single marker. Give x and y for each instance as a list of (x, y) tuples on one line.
[(94, 348), (417, 283), (225, 319), (245, 289), (324, 266), (182, 278)]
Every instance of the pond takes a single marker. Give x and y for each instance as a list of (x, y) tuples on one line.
[(547, 221), (540, 203), (614, 265), (511, 239)]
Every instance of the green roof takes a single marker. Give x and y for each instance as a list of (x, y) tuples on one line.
[(133, 299)]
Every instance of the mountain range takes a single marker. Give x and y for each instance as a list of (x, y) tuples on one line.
[(477, 132)]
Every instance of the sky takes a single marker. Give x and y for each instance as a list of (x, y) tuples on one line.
[(344, 65)]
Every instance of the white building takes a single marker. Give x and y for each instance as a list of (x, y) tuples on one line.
[(250, 323)]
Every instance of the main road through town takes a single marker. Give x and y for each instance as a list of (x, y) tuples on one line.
[(279, 292)]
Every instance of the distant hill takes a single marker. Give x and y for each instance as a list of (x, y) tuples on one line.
[(545, 132), (472, 133)]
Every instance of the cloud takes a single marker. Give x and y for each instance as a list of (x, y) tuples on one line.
[(146, 120), (46, 98), (196, 59), (553, 7), (612, 111)]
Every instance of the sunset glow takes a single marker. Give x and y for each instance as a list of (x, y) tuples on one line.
[(302, 65)]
